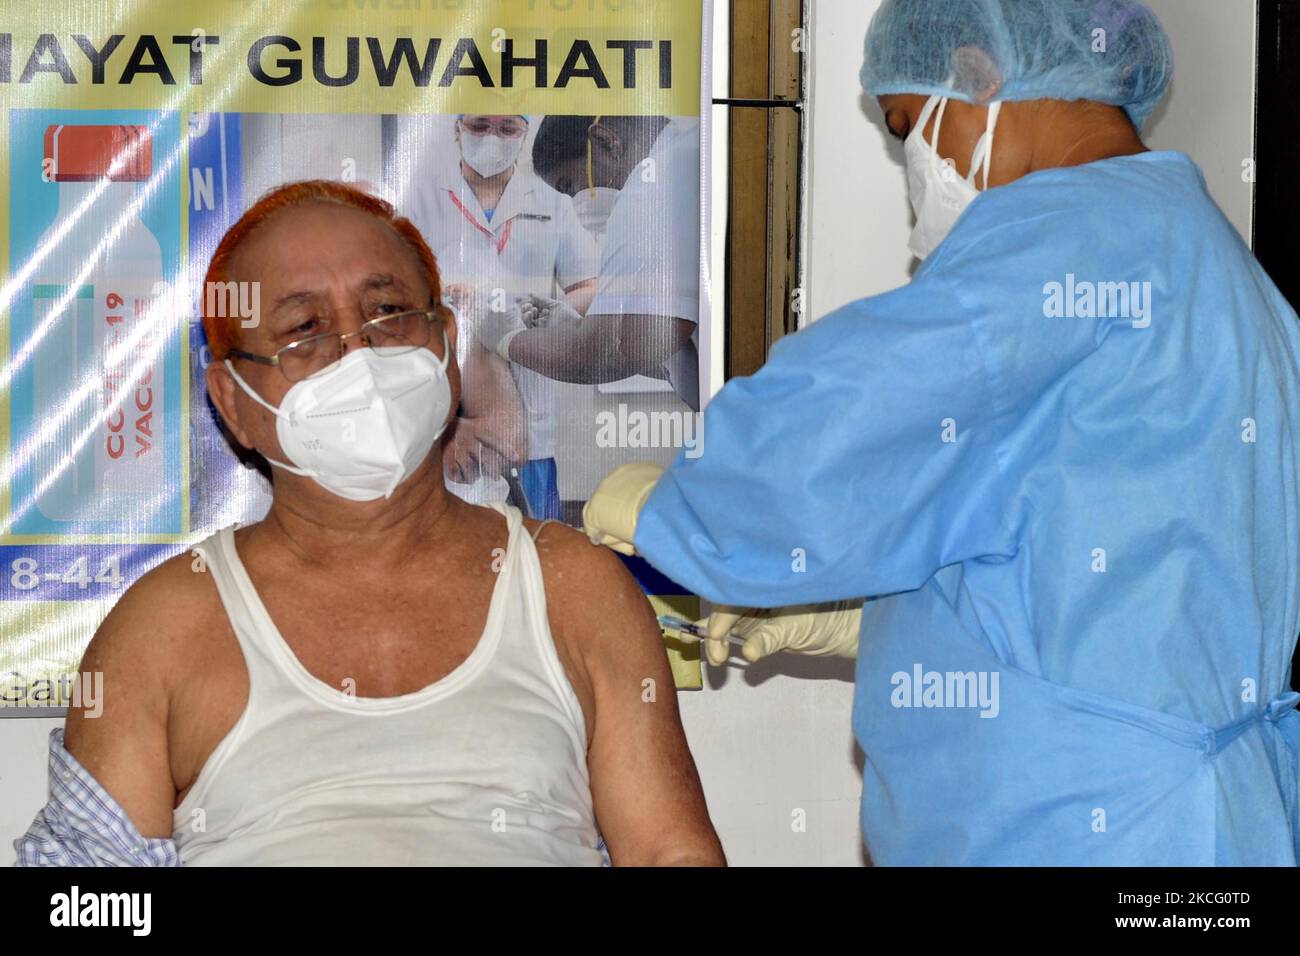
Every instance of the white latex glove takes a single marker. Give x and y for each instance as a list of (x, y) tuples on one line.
[(460, 296), (818, 630), (610, 516), (541, 312), (496, 330)]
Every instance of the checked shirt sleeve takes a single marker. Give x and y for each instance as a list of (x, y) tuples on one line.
[(83, 826)]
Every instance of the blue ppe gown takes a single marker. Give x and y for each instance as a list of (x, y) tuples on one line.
[(1064, 461)]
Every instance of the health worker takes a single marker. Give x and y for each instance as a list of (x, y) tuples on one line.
[(1061, 466)]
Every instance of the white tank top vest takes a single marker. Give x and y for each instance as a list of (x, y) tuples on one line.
[(487, 766)]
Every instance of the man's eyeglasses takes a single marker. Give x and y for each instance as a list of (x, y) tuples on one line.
[(393, 334)]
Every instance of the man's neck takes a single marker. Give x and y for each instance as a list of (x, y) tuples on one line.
[(316, 527)]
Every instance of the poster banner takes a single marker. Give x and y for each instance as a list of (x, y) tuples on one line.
[(551, 152)]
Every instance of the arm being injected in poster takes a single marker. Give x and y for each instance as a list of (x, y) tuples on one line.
[(575, 304), (491, 435), (560, 342)]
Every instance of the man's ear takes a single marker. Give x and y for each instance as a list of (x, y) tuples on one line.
[(221, 389), (976, 74), (602, 137)]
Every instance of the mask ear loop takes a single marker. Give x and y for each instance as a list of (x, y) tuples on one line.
[(591, 160), (983, 155), (926, 112), (248, 390), (446, 350), (934, 145), (938, 125), (274, 411)]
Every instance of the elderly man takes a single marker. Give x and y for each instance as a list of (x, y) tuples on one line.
[(377, 672)]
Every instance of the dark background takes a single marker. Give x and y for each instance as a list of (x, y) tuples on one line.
[(1277, 156)]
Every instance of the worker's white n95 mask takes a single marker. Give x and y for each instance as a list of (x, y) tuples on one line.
[(939, 196), (489, 155), (362, 426), (594, 207)]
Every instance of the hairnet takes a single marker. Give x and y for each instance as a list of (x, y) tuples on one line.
[(978, 51)]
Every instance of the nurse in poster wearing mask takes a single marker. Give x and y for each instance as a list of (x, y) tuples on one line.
[(500, 235)]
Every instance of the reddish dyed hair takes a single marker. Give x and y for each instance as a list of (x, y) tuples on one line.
[(223, 332)]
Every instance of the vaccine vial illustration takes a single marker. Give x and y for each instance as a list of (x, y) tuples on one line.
[(99, 338)]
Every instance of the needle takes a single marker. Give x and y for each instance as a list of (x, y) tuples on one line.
[(694, 631)]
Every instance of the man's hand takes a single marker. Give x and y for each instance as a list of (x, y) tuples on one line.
[(471, 455), (610, 517), (818, 630), (462, 461)]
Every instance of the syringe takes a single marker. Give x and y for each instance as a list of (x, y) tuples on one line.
[(693, 631)]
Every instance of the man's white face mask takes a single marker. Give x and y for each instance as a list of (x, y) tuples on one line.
[(489, 155), (594, 207), (362, 426), (939, 196)]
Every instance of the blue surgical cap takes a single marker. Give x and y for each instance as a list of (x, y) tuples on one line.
[(979, 51)]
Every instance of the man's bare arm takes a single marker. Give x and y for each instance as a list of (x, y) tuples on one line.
[(125, 747), (602, 348), (647, 795)]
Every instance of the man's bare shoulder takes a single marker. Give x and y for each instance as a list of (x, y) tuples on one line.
[(159, 615), (138, 656), (578, 567), (592, 593)]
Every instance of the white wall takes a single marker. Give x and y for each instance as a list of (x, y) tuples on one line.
[(774, 739), (23, 788), (860, 214), (1210, 113)]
